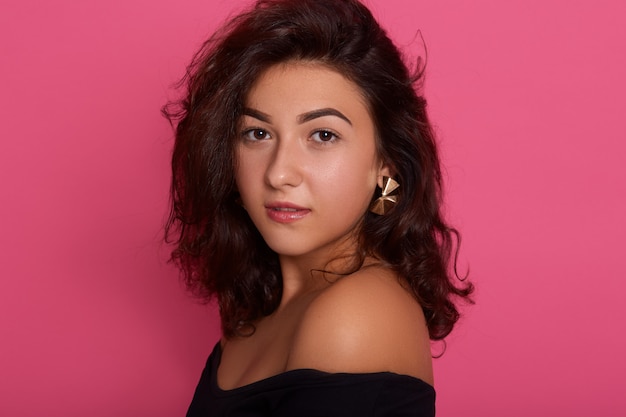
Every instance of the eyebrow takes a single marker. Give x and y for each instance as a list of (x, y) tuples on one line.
[(257, 115), (308, 116), (302, 118)]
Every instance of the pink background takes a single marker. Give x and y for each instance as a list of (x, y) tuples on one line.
[(528, 98)]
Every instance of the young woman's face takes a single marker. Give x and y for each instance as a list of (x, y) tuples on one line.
[(307, 165)]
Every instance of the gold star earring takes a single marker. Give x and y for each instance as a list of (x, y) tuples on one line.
[(386, 201)]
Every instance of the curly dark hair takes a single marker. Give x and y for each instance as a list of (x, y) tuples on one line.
[(220, 252)]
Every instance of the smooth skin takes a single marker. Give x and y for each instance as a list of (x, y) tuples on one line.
[(307, 167)]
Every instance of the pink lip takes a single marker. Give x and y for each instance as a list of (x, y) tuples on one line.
[(283, 212)]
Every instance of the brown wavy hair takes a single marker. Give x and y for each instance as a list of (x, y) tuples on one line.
[(217, 247)]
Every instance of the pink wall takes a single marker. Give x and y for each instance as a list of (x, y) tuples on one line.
[(528, 97)]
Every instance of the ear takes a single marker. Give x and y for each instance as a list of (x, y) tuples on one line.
[(384, 171)]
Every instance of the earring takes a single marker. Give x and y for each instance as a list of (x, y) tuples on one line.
[(386, 201)]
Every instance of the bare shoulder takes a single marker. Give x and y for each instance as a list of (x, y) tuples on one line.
[(365, 322)]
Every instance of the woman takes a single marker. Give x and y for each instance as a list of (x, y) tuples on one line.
[(306, 199)]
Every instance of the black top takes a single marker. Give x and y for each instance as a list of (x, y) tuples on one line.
[(309, 392)]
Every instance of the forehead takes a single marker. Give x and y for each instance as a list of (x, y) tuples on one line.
[(300, 82)]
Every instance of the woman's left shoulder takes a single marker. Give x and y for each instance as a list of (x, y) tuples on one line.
[(364, 322)]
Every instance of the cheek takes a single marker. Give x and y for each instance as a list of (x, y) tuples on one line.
[(359, 169), (348, 181), (244, 173), (244, 185)]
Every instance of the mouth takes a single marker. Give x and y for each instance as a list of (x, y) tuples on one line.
[(286, 212), (284, 206)]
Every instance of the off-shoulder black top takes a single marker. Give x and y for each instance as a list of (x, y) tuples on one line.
[(309, 392)]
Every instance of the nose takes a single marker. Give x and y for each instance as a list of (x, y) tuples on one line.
[(284, 168)]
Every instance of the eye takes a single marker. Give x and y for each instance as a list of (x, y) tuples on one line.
[(324, 136), (256, 134)]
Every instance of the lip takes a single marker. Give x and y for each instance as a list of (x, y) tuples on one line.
[(285, 212)]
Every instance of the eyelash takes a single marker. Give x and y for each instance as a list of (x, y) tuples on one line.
[(334, 137), (250, 134), (252, 131)]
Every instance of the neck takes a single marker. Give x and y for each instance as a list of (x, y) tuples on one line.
[(310, 273)]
